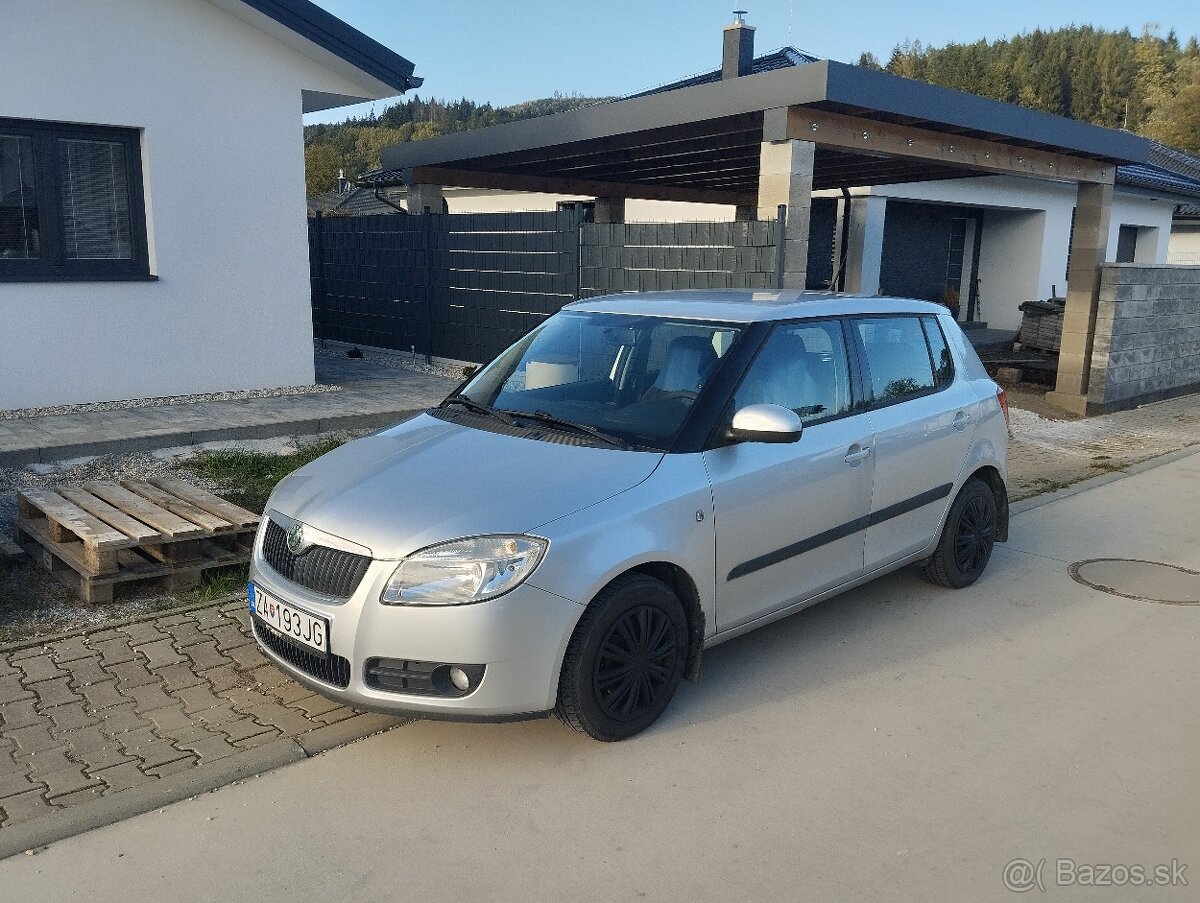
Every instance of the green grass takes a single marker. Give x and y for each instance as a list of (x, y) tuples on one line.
[(247, 478)]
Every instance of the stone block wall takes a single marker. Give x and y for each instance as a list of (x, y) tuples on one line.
[(1147, 344)]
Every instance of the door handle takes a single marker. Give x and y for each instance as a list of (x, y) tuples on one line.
[(961, 419), (856, 454)]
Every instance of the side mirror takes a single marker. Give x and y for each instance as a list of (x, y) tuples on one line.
[(766, 423)]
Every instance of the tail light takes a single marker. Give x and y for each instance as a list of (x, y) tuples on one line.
[(1002, 397)]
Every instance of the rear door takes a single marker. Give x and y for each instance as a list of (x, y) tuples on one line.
[(791, 518), (924, 416)]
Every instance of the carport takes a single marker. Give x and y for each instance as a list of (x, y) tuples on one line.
[(766, 141)]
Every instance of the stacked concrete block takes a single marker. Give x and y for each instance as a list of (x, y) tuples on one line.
[(1147, 343), (786, 177)]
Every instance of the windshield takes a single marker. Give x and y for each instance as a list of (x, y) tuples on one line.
[(633, 378)]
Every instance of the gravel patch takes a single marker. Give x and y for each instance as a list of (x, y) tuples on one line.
[(100, 406), (1021, 421)]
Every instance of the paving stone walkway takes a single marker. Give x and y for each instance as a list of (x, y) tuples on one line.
[(372, 396), (1052, 454), (93, 717)]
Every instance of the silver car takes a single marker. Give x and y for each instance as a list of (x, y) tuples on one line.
[(639, 478)]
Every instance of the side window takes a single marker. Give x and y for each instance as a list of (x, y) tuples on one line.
[(939, 352), (897, 356), (802, 367)]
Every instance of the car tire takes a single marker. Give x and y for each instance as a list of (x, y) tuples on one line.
[(625, 659), (965, 546)]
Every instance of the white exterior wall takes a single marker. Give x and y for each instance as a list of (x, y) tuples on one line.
[(1184, 245), (1026, 231), (219, 103), (481, 200)]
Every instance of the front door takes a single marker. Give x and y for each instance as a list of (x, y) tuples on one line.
[(791, 518)]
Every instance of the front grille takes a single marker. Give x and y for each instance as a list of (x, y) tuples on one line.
[(333, 670), (330, 572)]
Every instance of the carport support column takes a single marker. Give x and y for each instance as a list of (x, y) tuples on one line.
[(864, 254), (425, 199), (610, 210), (1093, 212), (786, 177)]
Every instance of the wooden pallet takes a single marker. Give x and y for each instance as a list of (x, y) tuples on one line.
[(100, 535)]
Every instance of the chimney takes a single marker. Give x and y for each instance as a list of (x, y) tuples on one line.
[(738, 56), (343, 182)]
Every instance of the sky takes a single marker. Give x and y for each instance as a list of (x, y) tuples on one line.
[(492, 51)]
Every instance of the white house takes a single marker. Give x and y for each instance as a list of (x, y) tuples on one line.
[(152, 229)]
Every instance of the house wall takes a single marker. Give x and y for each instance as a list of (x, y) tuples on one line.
[(1183, 247), (1026, 232), (219, 106), (636, 210), (1010, 263)]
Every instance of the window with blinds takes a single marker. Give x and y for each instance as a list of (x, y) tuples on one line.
[(71, 202), (18, 205), (95, 200)]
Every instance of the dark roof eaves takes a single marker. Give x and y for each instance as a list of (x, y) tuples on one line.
[(342, 40), (882, 91)]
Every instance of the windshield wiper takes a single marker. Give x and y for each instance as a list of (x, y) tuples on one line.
[(546, 417), (476, 407)]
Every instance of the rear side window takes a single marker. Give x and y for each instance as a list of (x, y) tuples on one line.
[(897, 357), (939, 352)]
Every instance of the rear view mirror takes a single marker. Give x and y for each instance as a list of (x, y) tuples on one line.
[(766, 423)]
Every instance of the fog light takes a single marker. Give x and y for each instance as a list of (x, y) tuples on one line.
[(459, 678)]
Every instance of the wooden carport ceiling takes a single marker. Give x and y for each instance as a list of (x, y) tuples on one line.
[(702, 143)]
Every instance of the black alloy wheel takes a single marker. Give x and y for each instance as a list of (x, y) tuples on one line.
[(975, 535), (965, 546), (635, 663), (625, 659)]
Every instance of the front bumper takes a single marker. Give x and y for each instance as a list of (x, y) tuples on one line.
[(520, 638)]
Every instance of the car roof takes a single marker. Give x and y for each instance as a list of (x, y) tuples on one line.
[(749, 306)]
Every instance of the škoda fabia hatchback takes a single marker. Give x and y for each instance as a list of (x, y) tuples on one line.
[(639, 478)]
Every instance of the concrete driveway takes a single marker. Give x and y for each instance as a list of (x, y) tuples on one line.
[(901, 743)]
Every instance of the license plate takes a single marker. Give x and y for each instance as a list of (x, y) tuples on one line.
[(288, 621)]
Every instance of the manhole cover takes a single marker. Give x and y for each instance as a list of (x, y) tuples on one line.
[(1147, 581)]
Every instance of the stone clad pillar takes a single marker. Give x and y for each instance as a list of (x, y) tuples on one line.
[(786, 177), (1093, 212), (425, 199), (610, 210)]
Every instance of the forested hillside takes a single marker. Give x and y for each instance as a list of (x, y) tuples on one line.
[(354, 145), (1149, 84)]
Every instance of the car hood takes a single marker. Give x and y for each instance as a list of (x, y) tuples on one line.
[(427, 481)]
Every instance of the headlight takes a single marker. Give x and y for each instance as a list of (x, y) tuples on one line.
[(465, 570)]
